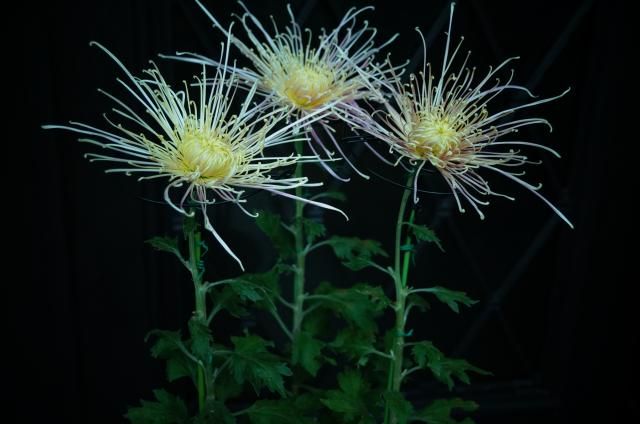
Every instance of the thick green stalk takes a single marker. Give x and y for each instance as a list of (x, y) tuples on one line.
[(200, 302), (401, 272), (407, 253), (298, 283)]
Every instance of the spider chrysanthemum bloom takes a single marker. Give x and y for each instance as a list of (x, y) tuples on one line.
[(447, 121), (304, 76), (197, 144)]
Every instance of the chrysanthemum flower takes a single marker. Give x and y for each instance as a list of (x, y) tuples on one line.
[(196, 143), (446, 122), (305, 77)]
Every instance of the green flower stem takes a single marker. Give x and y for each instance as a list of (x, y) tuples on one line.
[(428, 290), (281, 323), (298, 283), (312, 247), (401, 272), (407, 255), (200, 289)]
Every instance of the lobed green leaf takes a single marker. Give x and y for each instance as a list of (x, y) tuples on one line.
[(440, 411), (166, 409), (252, 363), (443, 369), (356, 253), (282, 240), (424, 233)]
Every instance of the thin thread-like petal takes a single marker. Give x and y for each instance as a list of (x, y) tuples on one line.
[(445, 121), (192, 138)]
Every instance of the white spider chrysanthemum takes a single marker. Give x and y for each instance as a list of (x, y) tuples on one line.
[(446, 122), (197, 145), (304, 78)]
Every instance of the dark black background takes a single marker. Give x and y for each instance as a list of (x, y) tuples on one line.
[(556, 312)]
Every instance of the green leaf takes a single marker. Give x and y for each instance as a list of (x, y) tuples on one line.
[(308, 404), (359, 305), (201, 340), (282, 240), (399, 406), (349, 400), (375, 294), (167, 409), (336, 402), (215, 412), (354, 343), (228, 299), (452, 298), (440, 410), (179, 367), (418, 301), (274, 411), (424, 233), (312, 229), (356, 253), (352, 383), (252, 362), (301, 409), (261, 288), (227, 387), (166, 244), (247, 290), (444, 369), (269, 279), (307, 352), (167, 342), (258, 288), (169, 346), (318, 321)]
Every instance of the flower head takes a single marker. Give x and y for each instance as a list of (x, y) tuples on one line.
[(303, 76), (446, 121), (197, 144)]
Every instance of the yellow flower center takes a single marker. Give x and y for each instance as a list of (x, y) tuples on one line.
[(434, 137), (308, 86), (207, 153)]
